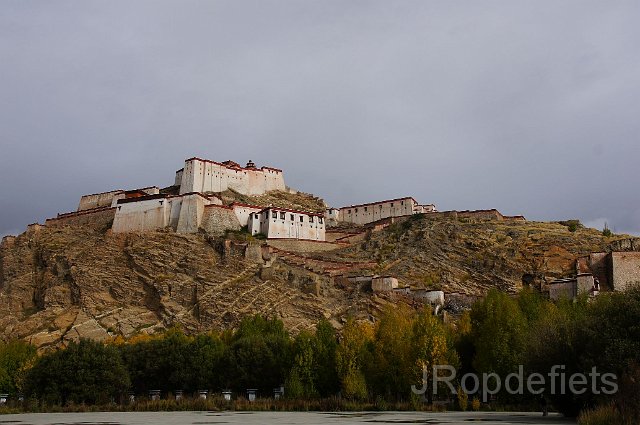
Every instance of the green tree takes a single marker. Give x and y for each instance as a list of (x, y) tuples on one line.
[(259, 355), (161, 362), (85, 372), (351, 356), (499, 331), (326, 375), (302, 377), (389, 374), (431, 346), (15, 358)]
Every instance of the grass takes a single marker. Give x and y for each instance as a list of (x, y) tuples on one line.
[(332, 404)]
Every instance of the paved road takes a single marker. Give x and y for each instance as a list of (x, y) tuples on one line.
[(280, 418)]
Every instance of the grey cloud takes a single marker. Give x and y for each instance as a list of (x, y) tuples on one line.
[(526, 107)]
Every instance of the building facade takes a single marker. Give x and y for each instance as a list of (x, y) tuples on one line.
[(281, 223), (203, 175), (374, 211)]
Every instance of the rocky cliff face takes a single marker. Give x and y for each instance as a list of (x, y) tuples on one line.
[(62, 283)]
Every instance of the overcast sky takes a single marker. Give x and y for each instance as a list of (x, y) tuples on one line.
[(529, 107)]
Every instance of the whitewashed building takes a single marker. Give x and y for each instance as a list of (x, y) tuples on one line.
[(374, 211), (276, 223), (204, 175)]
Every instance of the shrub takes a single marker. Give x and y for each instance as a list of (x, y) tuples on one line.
[(602, 415), (463, 399), (475, 404)]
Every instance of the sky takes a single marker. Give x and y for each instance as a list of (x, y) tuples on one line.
[(532, 108)]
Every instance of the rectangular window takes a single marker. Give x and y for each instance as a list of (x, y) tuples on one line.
[(392, 205), (274, 214), (349, 211), (291, 217), (320, 220), (310, 219), (282, 215), (356, 211), (301, 219), (365, 209)]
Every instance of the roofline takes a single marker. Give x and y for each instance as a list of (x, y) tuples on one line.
[(293, 211), (380, 202), (143, 198), (195, 158), (240, 204), (104, 193)]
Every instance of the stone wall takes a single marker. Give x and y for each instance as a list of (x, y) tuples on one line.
[(98, 218), (625, 270), (481, 215), (218, 218), (98, 200)]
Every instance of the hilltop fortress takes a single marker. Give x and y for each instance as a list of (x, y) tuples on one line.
[(196, 202)]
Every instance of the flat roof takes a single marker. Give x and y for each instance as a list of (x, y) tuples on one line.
[(195, 158)]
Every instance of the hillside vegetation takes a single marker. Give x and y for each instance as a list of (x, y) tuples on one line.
[(58, 284)]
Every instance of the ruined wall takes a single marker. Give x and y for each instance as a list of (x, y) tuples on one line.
[(625, 269), (596, 263), (481, 215), (98, 218), (218, 218), (98, 200)]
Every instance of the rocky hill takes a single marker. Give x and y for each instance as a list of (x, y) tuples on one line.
[(59, 283)]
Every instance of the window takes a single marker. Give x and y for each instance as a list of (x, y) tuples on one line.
[(301, 219), (365, 209), (392, 205), (310, 219), (291, 217), (274, 214), (349, 212), (356, 211), (320, 220), (282, 215)]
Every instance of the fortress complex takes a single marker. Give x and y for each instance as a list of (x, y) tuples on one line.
[(194, 203)]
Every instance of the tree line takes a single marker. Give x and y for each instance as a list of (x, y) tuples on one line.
[(363, 361)]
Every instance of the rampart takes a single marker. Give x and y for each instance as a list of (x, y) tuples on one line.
[(97, 217)]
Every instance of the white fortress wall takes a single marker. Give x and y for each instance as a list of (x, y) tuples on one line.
[(243, 211), (142, 215), (374, 211), (200, 175), (192, 212)]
